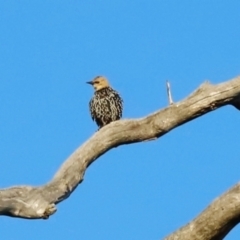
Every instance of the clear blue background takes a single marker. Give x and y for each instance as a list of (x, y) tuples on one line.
[(49, 49)]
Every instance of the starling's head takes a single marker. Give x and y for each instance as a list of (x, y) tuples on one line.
[(99, 82)]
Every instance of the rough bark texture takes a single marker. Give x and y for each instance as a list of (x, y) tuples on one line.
[(213, 223)]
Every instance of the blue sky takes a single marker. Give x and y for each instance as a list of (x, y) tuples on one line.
[(49, 49)]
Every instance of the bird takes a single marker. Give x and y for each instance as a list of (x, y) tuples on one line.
[(106, 105)]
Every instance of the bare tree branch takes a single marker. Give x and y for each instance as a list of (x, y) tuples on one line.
[(39, 202), (216, 221)]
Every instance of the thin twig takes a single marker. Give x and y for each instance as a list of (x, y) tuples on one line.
[(170, 100)]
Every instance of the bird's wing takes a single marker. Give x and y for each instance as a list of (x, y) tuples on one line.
[(91, 108)]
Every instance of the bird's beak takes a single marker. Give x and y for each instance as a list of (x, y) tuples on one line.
[(90, 82)]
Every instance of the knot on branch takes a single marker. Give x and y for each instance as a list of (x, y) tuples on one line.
[(26, 202), (32, 209)]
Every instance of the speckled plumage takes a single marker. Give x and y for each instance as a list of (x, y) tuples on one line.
[(106, 105)]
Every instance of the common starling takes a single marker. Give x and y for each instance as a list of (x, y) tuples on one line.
[(106, 105)]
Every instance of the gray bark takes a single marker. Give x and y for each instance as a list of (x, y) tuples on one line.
[(213, 223)]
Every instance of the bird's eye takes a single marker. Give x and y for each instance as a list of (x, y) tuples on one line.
[(97, 82)]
